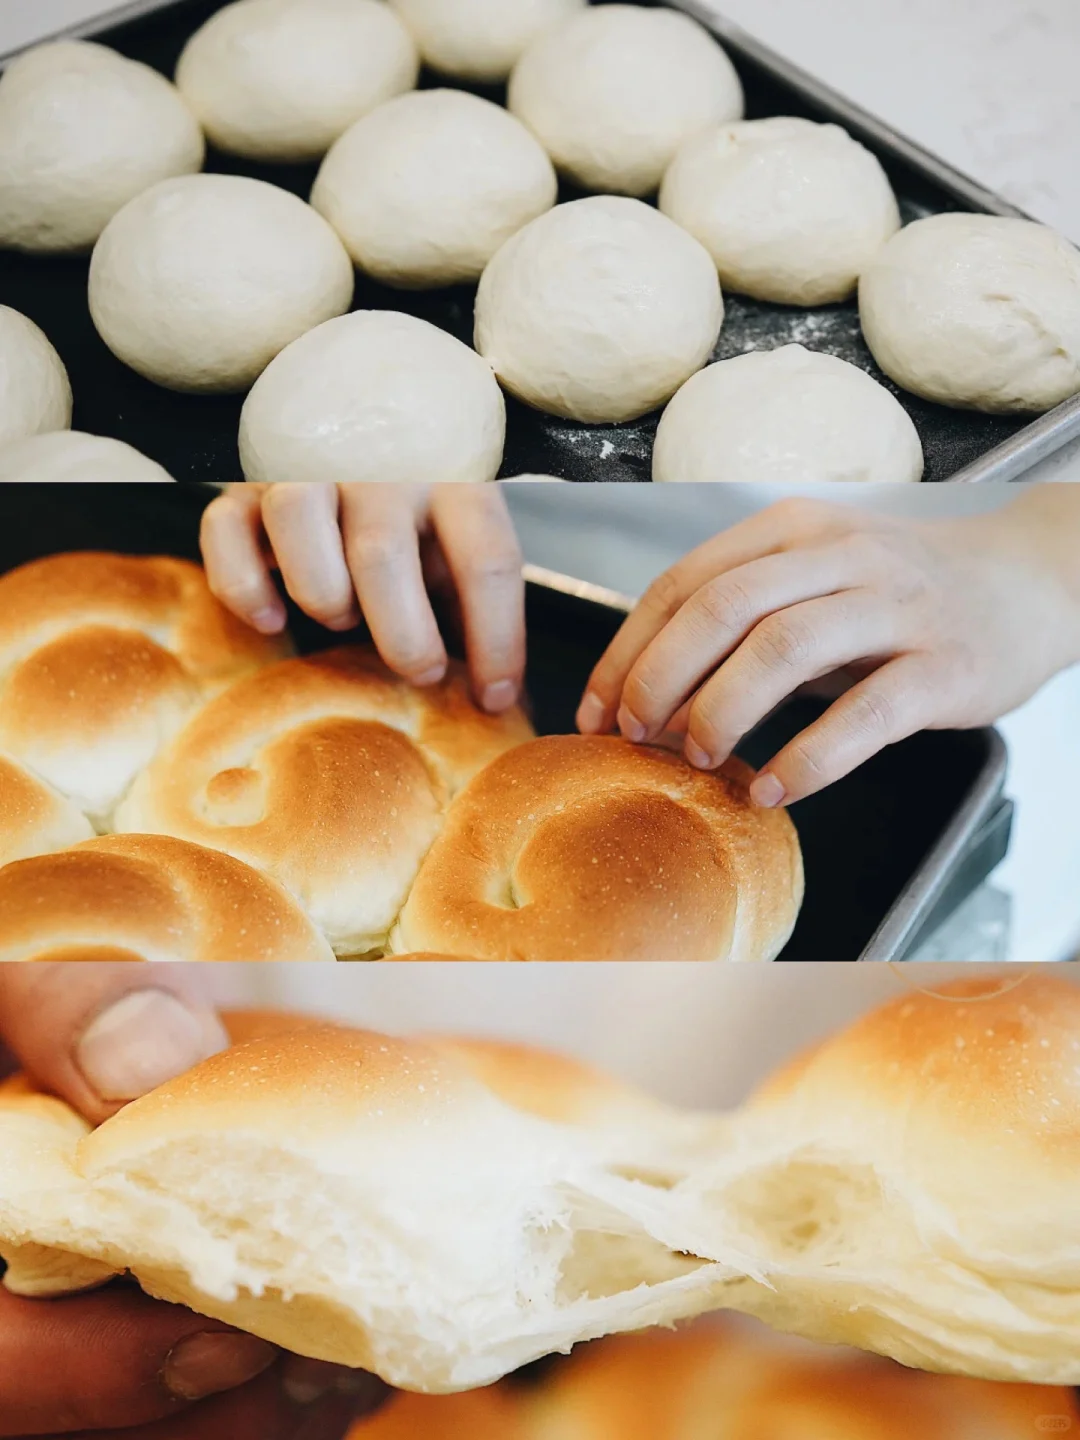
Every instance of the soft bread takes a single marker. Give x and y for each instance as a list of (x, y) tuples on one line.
[(35, 818), (587, 848), (102, 658), (491, 1414), (149, 898), (438, 1212), (331, 774)]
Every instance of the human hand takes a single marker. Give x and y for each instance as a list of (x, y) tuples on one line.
[(376, 552), (117, 1361), (941, 625)]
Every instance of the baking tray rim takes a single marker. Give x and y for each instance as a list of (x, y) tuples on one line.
[(1006, 462), (914, 906)]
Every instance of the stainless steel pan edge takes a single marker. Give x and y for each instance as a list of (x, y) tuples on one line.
[(1007, 462), (926, 889)]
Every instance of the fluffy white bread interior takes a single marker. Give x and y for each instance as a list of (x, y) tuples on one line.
[(35, 392), (437, 1213), (70, 457), (83, 130), (102, 658)]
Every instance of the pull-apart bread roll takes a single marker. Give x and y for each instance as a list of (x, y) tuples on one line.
[(35, 818), (149, 898), (575, 848), (102, 658), (330, 774), (440, 1213)]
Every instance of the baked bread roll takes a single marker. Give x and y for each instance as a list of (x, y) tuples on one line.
[(102, 658), (146, 897), (34, 818), (441, 1213), (490, 1414), (576, 848), (329, 773)]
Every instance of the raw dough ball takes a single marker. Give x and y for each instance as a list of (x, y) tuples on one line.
[(426, 188), (614, 92), (976, 311), (82, 132), (786, 416), (35, 393), (200, 282), (71, 456), (282, 79), (789, 210), (480, 40), (374, 396), (599, 310)]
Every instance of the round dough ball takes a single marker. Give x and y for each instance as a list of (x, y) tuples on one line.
[(480, 40), (614, 92), (200, 282), (373, 396), (280, 80), (70, 456), (599, 310), (82, 132), (790, 211), (787, 416), (976, 311), (35, 393), (425, 189)]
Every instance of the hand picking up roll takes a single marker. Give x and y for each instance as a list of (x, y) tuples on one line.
[(102, 658), (574, 848), (329, 773), (149, 898), (442, 1213)]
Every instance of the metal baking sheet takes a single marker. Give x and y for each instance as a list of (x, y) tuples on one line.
[(890, 852), (195, 438)]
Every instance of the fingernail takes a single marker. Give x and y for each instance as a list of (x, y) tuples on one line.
[(269, 621), (591, 714), (143, 1040), (631, 726), (342, 622), (699, 758), (499, 697), (767, 792), (435, 676), (208, 1364)]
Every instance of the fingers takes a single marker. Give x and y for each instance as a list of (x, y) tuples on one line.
[(302, 525), (237, 569), (787, 650), (894, 702), (113, 1359), (481, 548), (779, 528), (711, 624), (262, 1410), (381, 524), (101, 1035)]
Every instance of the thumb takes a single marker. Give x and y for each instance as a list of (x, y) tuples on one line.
[(103, 1034)]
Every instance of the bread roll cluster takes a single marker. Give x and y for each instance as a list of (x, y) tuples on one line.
[(443, 1211), (318, 806)]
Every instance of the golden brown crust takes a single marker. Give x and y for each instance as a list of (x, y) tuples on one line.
[(102, 657), (478, 1415), (147, 897), (574, 848), (34, 818), (331, 774)]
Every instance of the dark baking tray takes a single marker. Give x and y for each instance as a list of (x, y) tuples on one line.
[(195, 438), (890, 852)]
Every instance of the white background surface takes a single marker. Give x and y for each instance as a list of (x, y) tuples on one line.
[(991, 86)]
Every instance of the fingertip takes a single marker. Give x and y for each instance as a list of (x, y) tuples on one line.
[(271, 620), (435, 675), (592, 715), (699, 758), (499, 697), (767, 792)]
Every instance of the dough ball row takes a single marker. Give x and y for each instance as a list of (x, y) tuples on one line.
[(547, 1203), (376, 819), (597, 310)]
